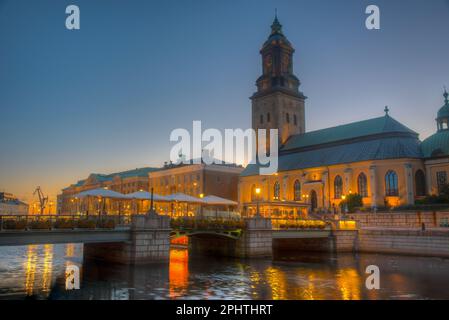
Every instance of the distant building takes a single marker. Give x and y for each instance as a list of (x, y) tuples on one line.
[(380, 159), (11, 205), (124, 182), (197, 179)]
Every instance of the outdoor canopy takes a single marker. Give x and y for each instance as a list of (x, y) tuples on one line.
[(145, 195), (214, 200), (181, 197), (102, 193)]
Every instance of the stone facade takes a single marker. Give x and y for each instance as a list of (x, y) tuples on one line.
[(401, 219)]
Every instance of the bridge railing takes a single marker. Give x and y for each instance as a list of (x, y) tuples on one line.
[(61, 222), (207, 223), (299, 224)]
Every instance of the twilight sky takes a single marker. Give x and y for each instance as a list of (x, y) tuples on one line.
[(105, 98)]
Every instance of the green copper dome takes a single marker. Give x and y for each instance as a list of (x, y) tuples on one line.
[(436, 145)]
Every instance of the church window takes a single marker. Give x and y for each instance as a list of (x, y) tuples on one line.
[(420, 183), (362, 185), (391, 184), (297, 191), (277, 191), (338, 187), (441, 180)]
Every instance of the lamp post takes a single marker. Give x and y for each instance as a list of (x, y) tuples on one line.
[(343, 197), (257, 202)]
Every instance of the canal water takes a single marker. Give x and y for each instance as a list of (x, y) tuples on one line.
[(38, 272)]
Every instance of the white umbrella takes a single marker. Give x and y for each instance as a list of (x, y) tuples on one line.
[(181, 197), (103, 193), (214, 200), (145, 195)]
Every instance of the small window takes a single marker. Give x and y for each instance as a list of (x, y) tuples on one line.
[(261, 119), (391, 184), (441, 180), (277, 191), (338, 187), (295, 121), (362, 185), (268, 117), (420, 183), (297, 191), (287, 118)]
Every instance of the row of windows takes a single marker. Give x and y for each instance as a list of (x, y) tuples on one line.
[(287, 118), (391, 185)]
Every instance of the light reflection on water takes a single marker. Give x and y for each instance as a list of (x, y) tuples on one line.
[(38, 271)]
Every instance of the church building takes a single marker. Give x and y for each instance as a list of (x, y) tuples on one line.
[(380, 159)]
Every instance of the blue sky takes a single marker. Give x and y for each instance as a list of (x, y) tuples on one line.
[(105, 98)]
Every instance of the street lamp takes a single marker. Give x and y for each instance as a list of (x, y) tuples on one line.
[(343, 197), (257, 201)]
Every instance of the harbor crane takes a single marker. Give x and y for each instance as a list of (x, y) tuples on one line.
[(42, 200)]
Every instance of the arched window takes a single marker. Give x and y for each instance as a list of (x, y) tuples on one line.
[(287, 117), (297, 191), (295, 120), (362, 185), (268, 117), (391, 184), (277, 191), (253, 193), (420, 183), (338, 187), (261, 119)]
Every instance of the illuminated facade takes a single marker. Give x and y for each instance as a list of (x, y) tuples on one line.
[(197, 180), (124, 182), (380, 158)]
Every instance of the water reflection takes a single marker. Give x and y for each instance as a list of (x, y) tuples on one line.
[(39, 272)]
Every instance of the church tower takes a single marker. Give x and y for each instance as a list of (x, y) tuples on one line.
[(278, 103)]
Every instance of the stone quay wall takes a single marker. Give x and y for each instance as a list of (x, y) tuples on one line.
[(256, 240), (401, 219), (402, 241)]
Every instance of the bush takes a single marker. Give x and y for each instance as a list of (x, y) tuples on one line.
[(352, 201), (40, 225), (64, 224), (106, 224), (14, 224), (86, 224)]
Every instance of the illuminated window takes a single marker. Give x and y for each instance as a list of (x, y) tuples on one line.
[(362, 185), (391, 184), (297, 191), (338, 187), (277, 191)]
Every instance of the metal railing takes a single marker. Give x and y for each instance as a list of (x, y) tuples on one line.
[(61, 222)]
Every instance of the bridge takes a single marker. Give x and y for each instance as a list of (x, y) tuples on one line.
[(146, 238)]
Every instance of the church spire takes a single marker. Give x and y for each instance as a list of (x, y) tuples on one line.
[(276, 27), (445, 95)]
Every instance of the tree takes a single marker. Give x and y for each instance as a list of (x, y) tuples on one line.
[(352, 201)]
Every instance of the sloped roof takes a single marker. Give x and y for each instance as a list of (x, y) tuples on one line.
[(436, 145), (374, 139), (376, 126)]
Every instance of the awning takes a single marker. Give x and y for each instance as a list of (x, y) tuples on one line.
[(145, 195), (214, 200), (181, 197), (102, 193)]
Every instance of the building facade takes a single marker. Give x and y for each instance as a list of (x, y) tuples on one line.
[(124, 182), (11, 205), (380, 159), (197, 180)]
